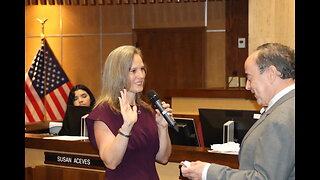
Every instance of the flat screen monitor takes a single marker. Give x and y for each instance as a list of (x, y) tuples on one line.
[(212, 121), (187, 134), (72, 121)]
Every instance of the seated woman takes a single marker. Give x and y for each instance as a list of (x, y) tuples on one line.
[(80, 102)]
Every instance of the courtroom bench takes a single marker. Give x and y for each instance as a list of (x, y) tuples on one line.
[(179, 153), (49, 156)]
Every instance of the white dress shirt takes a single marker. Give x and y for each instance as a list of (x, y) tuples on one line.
[(277, 97)]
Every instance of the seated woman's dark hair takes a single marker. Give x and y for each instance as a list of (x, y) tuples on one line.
[(82, 87)]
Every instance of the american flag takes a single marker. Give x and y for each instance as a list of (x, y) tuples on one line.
[(46, 87)]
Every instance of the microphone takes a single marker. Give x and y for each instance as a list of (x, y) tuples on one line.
[(156, 101)]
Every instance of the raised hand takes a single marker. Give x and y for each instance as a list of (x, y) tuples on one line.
[(128, 113)]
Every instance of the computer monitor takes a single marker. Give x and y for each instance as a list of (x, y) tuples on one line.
[(72, 121), (212, 121), (187, 134)]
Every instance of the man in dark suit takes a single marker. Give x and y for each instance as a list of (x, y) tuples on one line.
[(268, 149)]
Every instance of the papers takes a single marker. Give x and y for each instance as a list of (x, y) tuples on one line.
[(228, 148), (53, 124), (67, 138), (185, 163)]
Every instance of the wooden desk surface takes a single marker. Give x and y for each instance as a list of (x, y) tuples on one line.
[(179, 153), (210, 93)]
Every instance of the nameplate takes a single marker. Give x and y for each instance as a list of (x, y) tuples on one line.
[(74, 160)]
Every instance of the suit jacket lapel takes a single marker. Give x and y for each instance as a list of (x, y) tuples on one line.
[(264, 115)]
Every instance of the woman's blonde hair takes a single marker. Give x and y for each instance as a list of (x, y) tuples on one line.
[(115, 77)]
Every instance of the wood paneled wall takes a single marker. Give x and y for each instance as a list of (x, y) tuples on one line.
[(175, 57), (236, 27), (82, 36), (271, 21)]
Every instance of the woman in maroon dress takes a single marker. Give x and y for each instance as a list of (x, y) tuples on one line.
[(128, 133)]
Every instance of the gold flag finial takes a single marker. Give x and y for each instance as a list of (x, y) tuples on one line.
[(42, 23)]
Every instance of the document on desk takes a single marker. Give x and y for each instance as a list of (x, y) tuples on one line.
[(67, 138), (227, 148)]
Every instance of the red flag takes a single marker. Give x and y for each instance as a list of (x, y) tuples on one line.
[(46, 87)]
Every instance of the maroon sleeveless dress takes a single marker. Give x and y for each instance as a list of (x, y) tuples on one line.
[(138, 162)]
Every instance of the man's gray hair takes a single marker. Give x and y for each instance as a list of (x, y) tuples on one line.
[(278, 55)]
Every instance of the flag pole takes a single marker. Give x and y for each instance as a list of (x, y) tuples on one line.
[(42, 23), (43, 37)]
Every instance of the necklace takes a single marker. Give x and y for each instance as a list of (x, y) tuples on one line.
[(138, 109), (139, 112)]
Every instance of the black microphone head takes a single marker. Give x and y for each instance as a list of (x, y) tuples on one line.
[(152, 95)]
